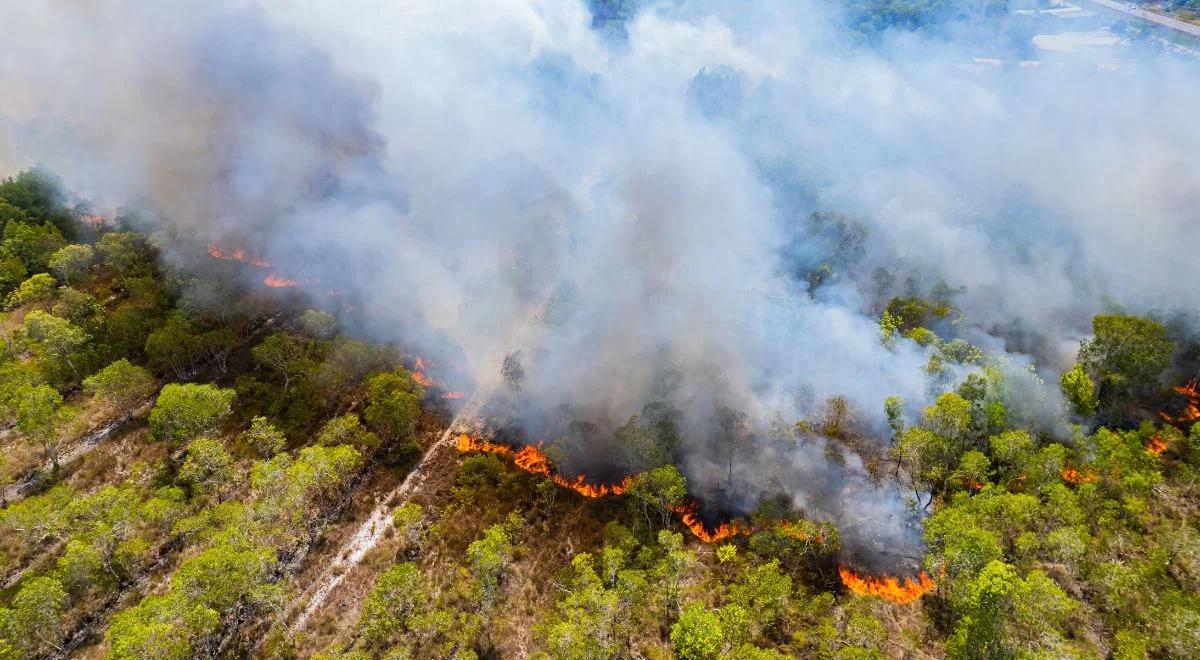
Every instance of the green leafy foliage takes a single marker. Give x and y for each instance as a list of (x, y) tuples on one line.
[(187, 411), (395, 405), (122, 385)]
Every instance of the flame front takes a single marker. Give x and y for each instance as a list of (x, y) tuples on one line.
[(1071, 475), (1155, 446), (239, 254), (887, 587), (1191, 412), (276, 282), (532, 459), (690, 515)]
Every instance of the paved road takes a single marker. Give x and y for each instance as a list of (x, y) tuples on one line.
[(1159, 19)]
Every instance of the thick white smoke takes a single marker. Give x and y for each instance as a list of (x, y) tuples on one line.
[(452, 165)]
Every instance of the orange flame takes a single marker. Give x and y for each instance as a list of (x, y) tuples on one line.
[(887, 587), (1191, 412), (276, 282), (789, 528), (93, 220), (1071, 475), (532, 459), (418, 374), (422, 379), (1156, 445), (690, 515), (239, 254), (454, 395)]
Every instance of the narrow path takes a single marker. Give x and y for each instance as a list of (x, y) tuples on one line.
[(20, 488), (380, 521)]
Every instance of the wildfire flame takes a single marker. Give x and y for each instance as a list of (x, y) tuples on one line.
[(1191, 412), (454, 395), (419, 375), (532, 459), (887, 587), (276, 282), (788, 528), (238, 254), (422, 379), (93, 220), (1071, 475), (1155, 446), (690, 515)]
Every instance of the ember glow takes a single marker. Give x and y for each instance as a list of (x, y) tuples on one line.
[(1073, 476), (887, 587)]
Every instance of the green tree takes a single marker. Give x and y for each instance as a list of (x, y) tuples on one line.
[(125, 251), (1079, 389), (406, 520), (39, 416), (395, 404), (764, 592), (488, 557), (32, 244), (222, 575), (54, 339), (283, 354), (347, 430), (34, 622), (263, 437), (185, 412), (163, 627), (590, 624), (72, 262), (121, 385), (216, 345), (1005, 615), (697, 634), (208, 467), (393, 600), (79, 566), (39, 289), (286, 489), (1126, 356), (658, 492), (174, 345), (973, 470), (12, 272), (75, 306)]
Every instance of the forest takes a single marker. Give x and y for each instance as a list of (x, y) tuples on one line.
[(176, 474), (598, 329)]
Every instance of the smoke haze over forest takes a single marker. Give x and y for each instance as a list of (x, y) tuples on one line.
[(452, 168)]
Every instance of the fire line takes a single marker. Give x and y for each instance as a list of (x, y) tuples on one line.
[(532, 459)]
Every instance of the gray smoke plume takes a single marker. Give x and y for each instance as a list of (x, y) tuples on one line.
[(454, 166)]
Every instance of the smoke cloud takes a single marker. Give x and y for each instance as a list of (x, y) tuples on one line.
[(452, 167)]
